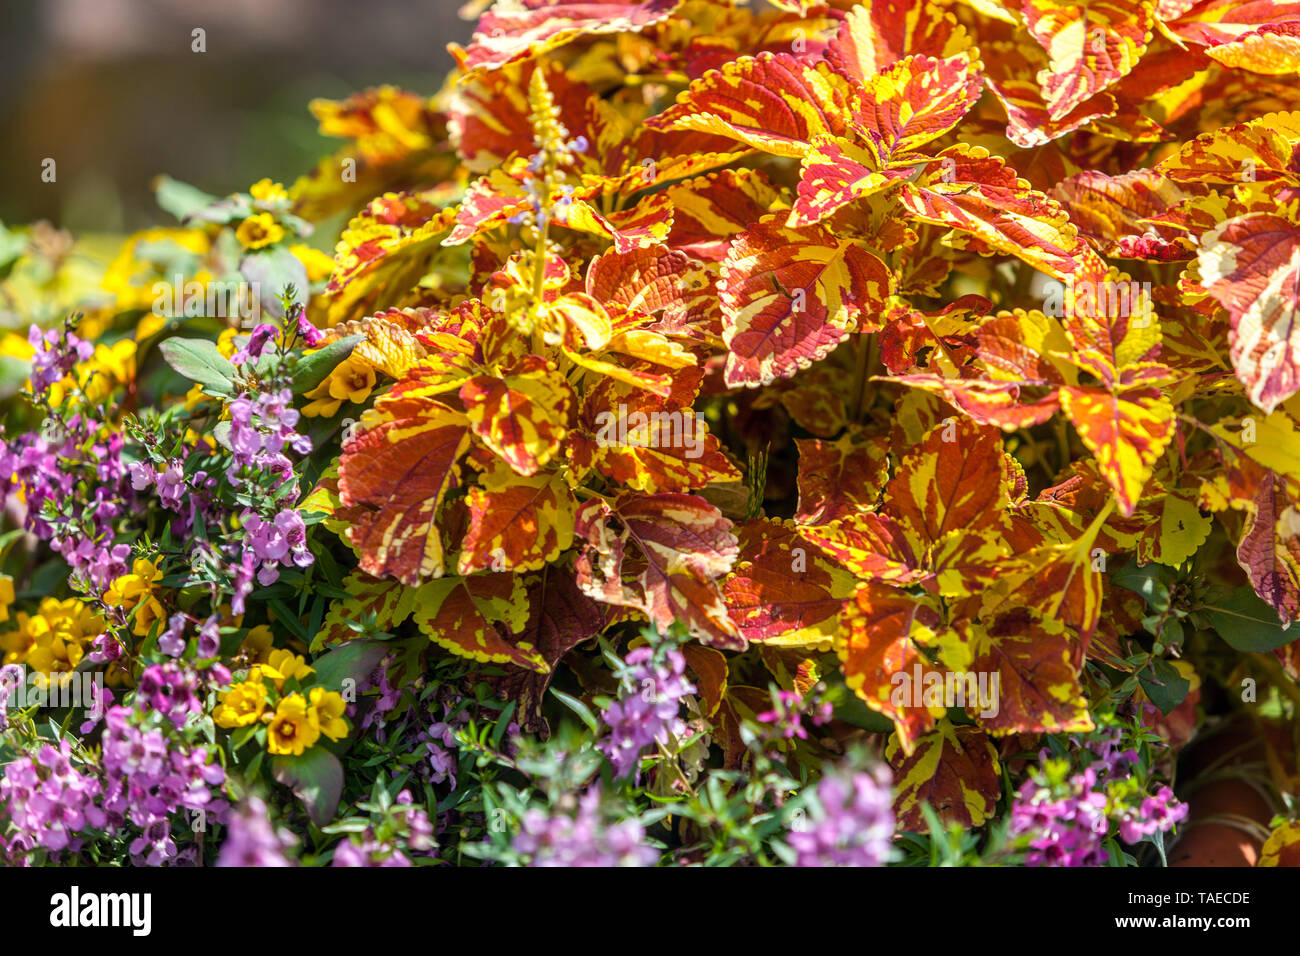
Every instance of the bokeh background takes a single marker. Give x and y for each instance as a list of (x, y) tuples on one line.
[(112, 91)]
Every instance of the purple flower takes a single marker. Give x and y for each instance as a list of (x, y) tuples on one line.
[(57, 353), (582, 839), (850, 822), (170, 690), (172, 641), (256, 345), (648, 707), (49, 800), (210, 637), (1064, 831), (311, 335), (253, 840), (1158, 813)]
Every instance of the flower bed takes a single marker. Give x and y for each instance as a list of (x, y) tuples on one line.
[(834, 434)]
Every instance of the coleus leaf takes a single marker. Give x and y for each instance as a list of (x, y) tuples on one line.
[(1012, 67), (774, 102), (560, 617), (384, 251), (967, 189), (877, 640), (529, 28), (472, 616), (1251, 265), (1259, 150), (386, 341), (789, 297), (1127, 430), (953, 481), (839, 477), (1272, 49), (385, 602), (708, 211), (663, 555), (1090, 47), (1213, 22), (1038, 687), (657, 443), (783, 590), (1270, 559), (517, 523), (877, 34), (954, 770), (394, 475), (903, 109), (1282, 848), (1112, 212), (523, 414)]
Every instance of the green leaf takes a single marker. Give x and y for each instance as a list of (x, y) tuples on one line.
[(1152, 581), (314, 368), (316, 778), (269, 272), (180, 199), (199, 361), (1247, 623), (1169, 689), (579, 708), (12, 247), (354, 659)]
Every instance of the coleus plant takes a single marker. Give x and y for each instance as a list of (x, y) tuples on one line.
[(1004, 267), (856, 339)]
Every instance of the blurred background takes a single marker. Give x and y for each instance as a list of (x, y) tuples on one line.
[(114, 93)]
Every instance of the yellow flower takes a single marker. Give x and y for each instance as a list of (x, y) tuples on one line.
[(351, 380), (54, 639), (287, 665), (149, 324), (256, 646), (292, 729), (226, 344), (318, 264), (132, 280), (16, 346), (327, 709), (267, 191), (136, 590), (6, 595), (259, 230), (109, 367), (243, 703)]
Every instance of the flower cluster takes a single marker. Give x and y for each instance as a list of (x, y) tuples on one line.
[(270, 697), (49, 800), (149, 776), (261, 427), (648, 707), (850, 821), (252, 839), (56, 354), (403, 824), (1065, 816), (788, 710), (582, 837)]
